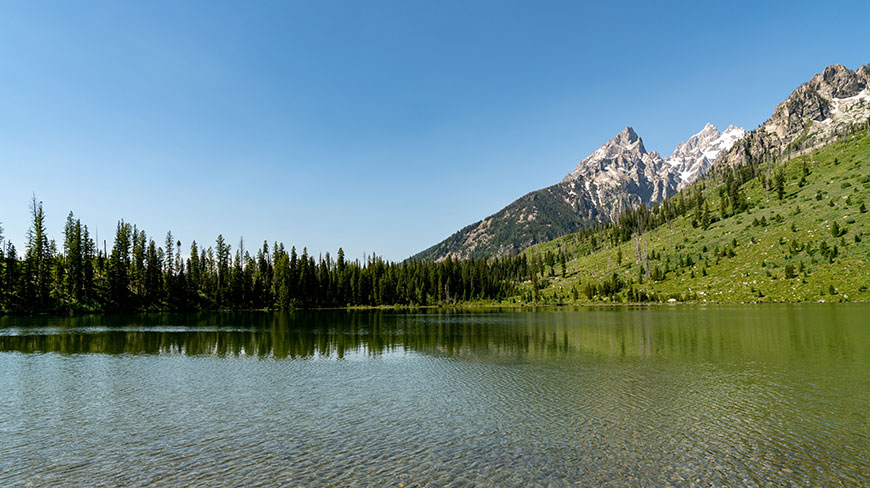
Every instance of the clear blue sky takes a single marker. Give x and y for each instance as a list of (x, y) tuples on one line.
[(376, 126)]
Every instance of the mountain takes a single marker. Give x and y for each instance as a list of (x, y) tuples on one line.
[(735, 240), (832, 103), (694, 157), (808, 243), (619, 175)]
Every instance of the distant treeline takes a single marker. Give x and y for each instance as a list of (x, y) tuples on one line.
[(138, 275)]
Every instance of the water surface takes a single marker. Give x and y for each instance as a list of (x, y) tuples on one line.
[(771, 395)]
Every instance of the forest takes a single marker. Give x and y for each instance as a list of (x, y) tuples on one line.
[(137, 274)]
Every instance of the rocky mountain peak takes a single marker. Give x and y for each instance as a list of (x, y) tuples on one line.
[(628, 140), (692, 158), (622, 151), (617, 176), (620, 174), (830, 103), (627, 136), (837, 81)]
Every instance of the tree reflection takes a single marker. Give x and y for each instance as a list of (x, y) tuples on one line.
[(615, 333)]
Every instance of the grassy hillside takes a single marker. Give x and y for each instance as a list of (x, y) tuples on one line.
[(811, 245)]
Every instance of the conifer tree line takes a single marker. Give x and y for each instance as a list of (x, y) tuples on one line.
[(138, 274)]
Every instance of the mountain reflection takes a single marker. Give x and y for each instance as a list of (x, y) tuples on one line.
[(618, 333)]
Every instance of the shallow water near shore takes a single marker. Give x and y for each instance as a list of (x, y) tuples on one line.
[(737, 395)]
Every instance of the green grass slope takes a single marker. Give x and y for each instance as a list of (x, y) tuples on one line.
[(811, 245)]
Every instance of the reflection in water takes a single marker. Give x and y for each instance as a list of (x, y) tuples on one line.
[(722, 332), (624, 396)]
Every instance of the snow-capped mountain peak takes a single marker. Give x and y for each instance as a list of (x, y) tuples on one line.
[(695, 156), (617, 176)]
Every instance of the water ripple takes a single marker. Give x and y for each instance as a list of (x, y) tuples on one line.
[(592, 398)]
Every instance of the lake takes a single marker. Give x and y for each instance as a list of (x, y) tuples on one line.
[(737, 395)]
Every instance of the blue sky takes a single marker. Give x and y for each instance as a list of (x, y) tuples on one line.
[(376, 126)]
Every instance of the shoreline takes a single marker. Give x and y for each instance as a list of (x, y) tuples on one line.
[(516, 307)]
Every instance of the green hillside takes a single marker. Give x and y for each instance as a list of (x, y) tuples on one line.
[(507, 231), (729, 241)]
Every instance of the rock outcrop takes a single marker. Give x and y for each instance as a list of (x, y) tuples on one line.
[(833, 102)]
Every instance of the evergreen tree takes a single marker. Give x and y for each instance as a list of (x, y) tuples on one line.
[(779, 183), (119, 266), (222, 250), (74, 259), (194, 273), (38, 258), (138, 269), (11, 275), (169, 256), (89, 252), (153, 274)]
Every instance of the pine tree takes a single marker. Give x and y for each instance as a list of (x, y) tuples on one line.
[(342, 279), (222, 251), (38, 258), (74, 258), (138, 270), (153, 274), (10, 275), (194, 273), (89, 252), (119, 266), (779, 184), (168, 246)]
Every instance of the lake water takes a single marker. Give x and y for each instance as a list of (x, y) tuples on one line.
[(755, 395)]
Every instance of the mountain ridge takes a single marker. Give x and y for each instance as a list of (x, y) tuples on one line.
[(695, 156), (830, 103), (729, 240), (619, 175)]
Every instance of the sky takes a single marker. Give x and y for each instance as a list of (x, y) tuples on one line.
[(380, 127)]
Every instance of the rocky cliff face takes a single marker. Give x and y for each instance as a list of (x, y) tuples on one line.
[(619, 175), (829, 104)]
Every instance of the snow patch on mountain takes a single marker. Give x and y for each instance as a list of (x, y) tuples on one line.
[(849, 110), (623, 165), (694, 157)]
